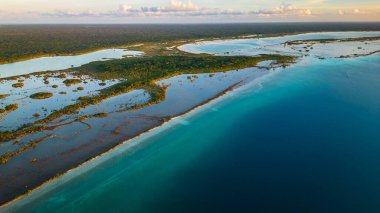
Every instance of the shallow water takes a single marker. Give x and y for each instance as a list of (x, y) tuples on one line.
[(275, 45), (61, 62), (28, 106)]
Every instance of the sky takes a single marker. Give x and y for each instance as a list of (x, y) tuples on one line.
[(185, 11)]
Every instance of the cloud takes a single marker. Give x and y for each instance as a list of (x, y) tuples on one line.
[(72, 13), (284, 10), (178, 8), (355, 12)]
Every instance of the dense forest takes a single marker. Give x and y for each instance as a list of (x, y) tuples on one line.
[(26, 41)]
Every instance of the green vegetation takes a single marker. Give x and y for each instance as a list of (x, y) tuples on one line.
[(41, 95), (100, 115), (62, 75), (80, 88), (70, 82), (55, 86), (2, 110), (117, 131), (2, 96), (18, 85), (22, 131), (148, 69), (11, 107)]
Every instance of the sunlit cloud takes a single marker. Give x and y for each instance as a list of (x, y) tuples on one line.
[(186, 9), (177, 8)]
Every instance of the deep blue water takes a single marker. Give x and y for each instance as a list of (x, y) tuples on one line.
[(306, 139)]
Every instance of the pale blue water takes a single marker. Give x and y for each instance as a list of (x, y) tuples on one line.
[(275, 45), (61, 62), (306, 139)]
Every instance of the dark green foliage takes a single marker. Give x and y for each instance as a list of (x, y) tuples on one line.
[(70, 82), (41, 95), (2, 96), (151, 68), (11, 107), (62, 75), (18, 85)]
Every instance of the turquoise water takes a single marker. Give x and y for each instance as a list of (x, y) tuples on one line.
[(305, 139)]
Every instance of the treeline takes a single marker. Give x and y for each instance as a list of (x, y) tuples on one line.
[(156, 67), (25, 41)]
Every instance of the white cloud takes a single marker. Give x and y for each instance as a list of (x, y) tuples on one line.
[(284, 10), (178, 8)]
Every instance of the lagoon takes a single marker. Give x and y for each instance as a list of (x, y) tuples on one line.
[(53, 63)]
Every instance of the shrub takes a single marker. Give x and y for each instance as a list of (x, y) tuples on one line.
[(18, 85), (80, 88), (2, 96), (70, 82), (62, 75), (41, 95), (11, 107), (55, 86)]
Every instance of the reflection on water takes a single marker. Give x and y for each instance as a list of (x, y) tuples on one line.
[(61, 62), (275, 45)]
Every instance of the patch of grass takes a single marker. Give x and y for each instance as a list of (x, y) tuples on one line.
[(41, 95), (62, 75), (117, 131), (9, 135), (100, 115), (18, 85), (69, 82), (2, 96), (11, 107)]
